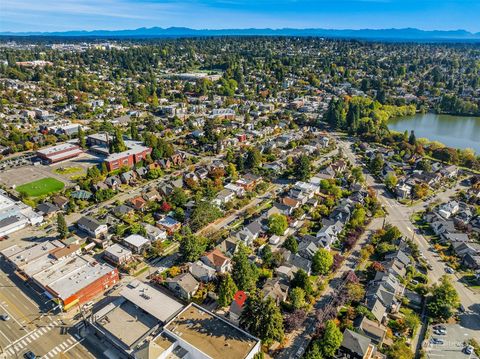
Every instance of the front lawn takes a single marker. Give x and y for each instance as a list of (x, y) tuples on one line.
[(41, 187)]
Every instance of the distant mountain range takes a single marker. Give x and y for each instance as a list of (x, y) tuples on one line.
[(407, 34)]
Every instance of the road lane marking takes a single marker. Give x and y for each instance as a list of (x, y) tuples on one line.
[(8, 339)]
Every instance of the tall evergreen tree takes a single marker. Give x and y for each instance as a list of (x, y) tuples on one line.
[(226, 291), (81, 137), (244, 273), (263, 319), (62, 227)]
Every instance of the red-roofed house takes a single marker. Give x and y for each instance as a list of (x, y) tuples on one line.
[(216, 259)]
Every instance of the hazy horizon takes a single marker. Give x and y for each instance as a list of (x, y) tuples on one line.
[(88, 15)]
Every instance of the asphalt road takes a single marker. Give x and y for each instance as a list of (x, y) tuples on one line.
[(399, 215)]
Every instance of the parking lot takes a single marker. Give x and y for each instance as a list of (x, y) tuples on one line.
[(27, 172), (453, 343)]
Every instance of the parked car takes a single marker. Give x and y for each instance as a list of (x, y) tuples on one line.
[(440, 331), (436, 341), (29, 355), (449, 270), (5, 317), (468, 349)]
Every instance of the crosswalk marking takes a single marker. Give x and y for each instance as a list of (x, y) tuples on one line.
[(62, 347)]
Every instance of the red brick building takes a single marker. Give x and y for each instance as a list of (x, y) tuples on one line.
[(127, 158)]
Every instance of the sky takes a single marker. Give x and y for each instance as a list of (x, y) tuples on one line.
[(63, 15)]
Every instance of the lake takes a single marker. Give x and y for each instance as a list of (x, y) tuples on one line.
[(453, 131)]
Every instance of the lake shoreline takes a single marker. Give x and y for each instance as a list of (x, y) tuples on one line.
[(453, 131)]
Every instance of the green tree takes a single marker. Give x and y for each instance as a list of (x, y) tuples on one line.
[(376, 164), (391, 180), (263, 319), (412, 139), (62, 227), (444, 300), (399, 350), (178, 197), (302, 280), (358, 217), (303, 168), (314, 352), (226, 290), (81, 137), (134, 131), (297, 298), (331, 340), (192, 247), (232, 171), (254, 158), (322, 262), (357, 175), (244, 273), (203, 214), (117, 144), (277, 224), (267, 256), (291, 244)]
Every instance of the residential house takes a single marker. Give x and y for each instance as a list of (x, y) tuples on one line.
[(60, 201), (137, 243), (118, 254), (276, 289), (471, 261), (128, 177), (450, 171), (183, 285), (202, 272), (92, 227), (151, 195), (123, 210), (48, 210), (448, 209), (113, 182), (137, 203), (223, 197), (356, 346), (236, 308), (154, 233), (217, 260), (238, 190), (169, 224), (250, 232), (374, 331), (248, 181)]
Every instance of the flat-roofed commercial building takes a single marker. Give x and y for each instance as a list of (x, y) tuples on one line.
[(59, 153), (64, 275), (203, 335), (15, 215), (138, 313)]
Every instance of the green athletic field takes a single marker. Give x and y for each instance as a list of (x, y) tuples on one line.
[(41, 187)]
